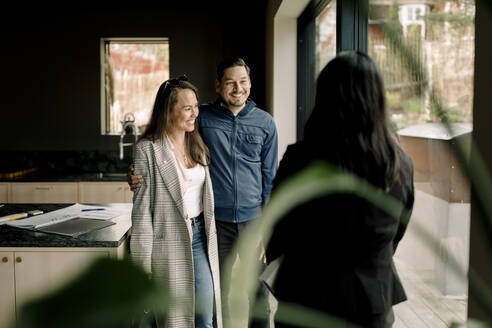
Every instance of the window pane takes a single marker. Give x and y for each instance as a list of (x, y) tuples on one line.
[(326, 32), (135, 70), (440, 34), (442, 37)]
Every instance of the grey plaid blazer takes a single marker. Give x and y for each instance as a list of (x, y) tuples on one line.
[(161, 236)]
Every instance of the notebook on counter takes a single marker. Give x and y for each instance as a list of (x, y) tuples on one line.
[(76, 226)]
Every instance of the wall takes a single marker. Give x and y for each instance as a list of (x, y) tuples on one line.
[(50, 89), (282, 69), (271, 10)]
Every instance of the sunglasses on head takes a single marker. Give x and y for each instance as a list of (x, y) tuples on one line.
[(174, 82)]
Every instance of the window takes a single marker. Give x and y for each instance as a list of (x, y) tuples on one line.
[(440, 34), (442, 37), (326, 32), (317, 44), (131, 73)]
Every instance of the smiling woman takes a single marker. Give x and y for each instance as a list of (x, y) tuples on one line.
[(173, 225), (183, 119)]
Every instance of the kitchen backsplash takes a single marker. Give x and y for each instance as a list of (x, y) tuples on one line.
[(62, 162)]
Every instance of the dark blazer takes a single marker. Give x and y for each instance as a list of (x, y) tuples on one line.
[(338, 248)]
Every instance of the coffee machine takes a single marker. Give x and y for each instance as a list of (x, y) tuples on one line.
[(128, 129)]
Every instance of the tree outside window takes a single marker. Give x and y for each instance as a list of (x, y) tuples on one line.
[(441, 33), (133, 70)]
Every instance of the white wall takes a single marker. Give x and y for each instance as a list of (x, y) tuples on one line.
[(282, 79), (285, 81)]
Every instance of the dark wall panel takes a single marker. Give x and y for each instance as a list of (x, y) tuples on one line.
[(50, 89), (480, 229)]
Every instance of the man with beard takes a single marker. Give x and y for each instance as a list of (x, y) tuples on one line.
[(243, 145)]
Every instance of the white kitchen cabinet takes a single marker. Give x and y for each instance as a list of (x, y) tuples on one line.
[(44, 192), (104, 192), (128, 194), (4, 192), (29, 272), (65, 192), (7, 286)]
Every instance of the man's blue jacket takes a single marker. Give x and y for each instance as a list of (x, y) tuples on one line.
[(243, 152)]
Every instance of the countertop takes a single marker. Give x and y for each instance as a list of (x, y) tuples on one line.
[(112, 236), (70, 177)]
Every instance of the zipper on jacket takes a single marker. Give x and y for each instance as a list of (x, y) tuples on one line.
[(234, 178)]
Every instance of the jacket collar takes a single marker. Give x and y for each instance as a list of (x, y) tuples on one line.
[(169, 173), (220, 104)]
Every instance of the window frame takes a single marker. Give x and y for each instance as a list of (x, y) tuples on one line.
[(104, 100), (351, 34)]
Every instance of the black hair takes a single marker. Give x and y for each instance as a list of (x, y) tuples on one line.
[(230, 62), (350, 115)]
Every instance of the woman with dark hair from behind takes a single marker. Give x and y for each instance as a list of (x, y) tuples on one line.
[(338, 249)]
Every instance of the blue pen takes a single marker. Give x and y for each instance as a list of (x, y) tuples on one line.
[(92, 209)]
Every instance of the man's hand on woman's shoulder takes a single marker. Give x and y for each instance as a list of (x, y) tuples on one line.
[(134, 181)]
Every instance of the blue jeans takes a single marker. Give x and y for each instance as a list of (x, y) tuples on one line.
[(227, 234), (204, 287)]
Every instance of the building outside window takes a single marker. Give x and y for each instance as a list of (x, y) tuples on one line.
[(131, 73)]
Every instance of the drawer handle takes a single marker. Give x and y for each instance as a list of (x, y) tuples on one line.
[(43, 188), (18, 259), (5, 259)]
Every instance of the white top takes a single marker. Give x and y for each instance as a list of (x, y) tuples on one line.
[(191, 181)]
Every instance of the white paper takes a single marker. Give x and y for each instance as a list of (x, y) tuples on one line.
[(66, 214)]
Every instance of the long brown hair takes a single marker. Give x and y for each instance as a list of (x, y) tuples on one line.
[(165, 100)]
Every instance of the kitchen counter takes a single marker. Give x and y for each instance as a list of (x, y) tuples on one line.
[(70, 177), (112, 236), (34, 264)]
